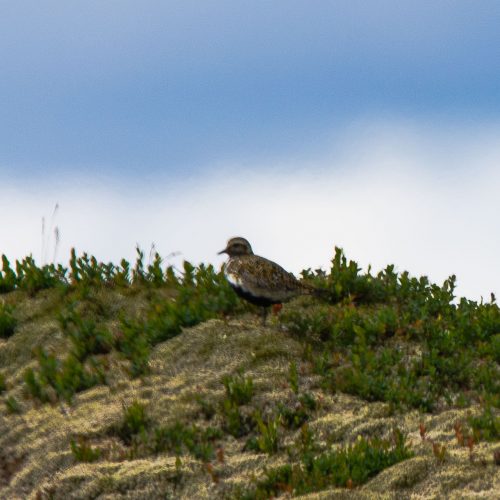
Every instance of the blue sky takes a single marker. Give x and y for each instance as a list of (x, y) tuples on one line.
[(299, 124), (169, 86)]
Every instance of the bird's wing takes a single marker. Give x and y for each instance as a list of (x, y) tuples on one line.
[(262, 275)]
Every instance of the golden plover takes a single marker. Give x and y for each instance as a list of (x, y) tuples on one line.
[(259, 280)]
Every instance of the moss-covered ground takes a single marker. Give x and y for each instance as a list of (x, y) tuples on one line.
[(119, 385)]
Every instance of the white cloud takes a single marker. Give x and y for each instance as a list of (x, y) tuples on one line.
[(424, 199)]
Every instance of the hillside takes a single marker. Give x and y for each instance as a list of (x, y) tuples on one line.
[(137, 381)]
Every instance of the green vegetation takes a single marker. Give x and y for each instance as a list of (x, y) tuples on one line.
[(179, 438), (86, 337), (239, 391), (138, 431), (293, 417), (7, 320), (348, 466), (8, 278), (198, 295), (394, 341), (486, 425), (12, 405), (177, 301), (61, 379), (83, 452), (390, 337), (267, 440), (135, 423)]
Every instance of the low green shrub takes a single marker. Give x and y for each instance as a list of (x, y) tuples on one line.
[(138, 430), (61, 379), (12, 405), (235, 422), (32, 278), (7, 320), (349, 466), (133, 343), (207, 408), (383, 375), (179, 438), (8, 278), (239, 390), (135, 422), (267, 440), (366, 335), (486, 425), (86, 337), (200, 294), (294, 417), (83, 451)]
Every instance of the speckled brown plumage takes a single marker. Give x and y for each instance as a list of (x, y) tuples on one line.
[(259, 280)]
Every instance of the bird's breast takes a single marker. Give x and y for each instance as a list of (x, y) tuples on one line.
[(233, 278)]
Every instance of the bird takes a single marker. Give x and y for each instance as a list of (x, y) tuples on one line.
[(258, 280)]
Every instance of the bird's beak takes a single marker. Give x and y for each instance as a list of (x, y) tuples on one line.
[(222, 251)]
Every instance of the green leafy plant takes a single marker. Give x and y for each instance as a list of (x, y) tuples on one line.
[(61, 379), (178, 438), (138, 430), (134, 423), (235, 422), (32, 278), (239, 390), (348, 466), (267, 441), (133, 343), (457, 358), (294, 417), (486, 425), (35, 387), (83, 451), (12, 405), (86, 336), (7, 320), (207, 408), (8, 278)]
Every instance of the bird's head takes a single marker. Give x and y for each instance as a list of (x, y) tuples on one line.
[(236, 247)]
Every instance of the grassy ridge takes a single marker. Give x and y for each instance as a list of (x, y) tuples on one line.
[(388, 338), (403, 340)]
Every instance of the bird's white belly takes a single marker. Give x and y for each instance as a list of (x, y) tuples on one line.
[(234, 279)]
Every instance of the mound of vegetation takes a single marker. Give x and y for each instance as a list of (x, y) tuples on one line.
[(140, 379)]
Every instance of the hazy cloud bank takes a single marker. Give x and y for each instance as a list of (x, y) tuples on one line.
[(424, 199)]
